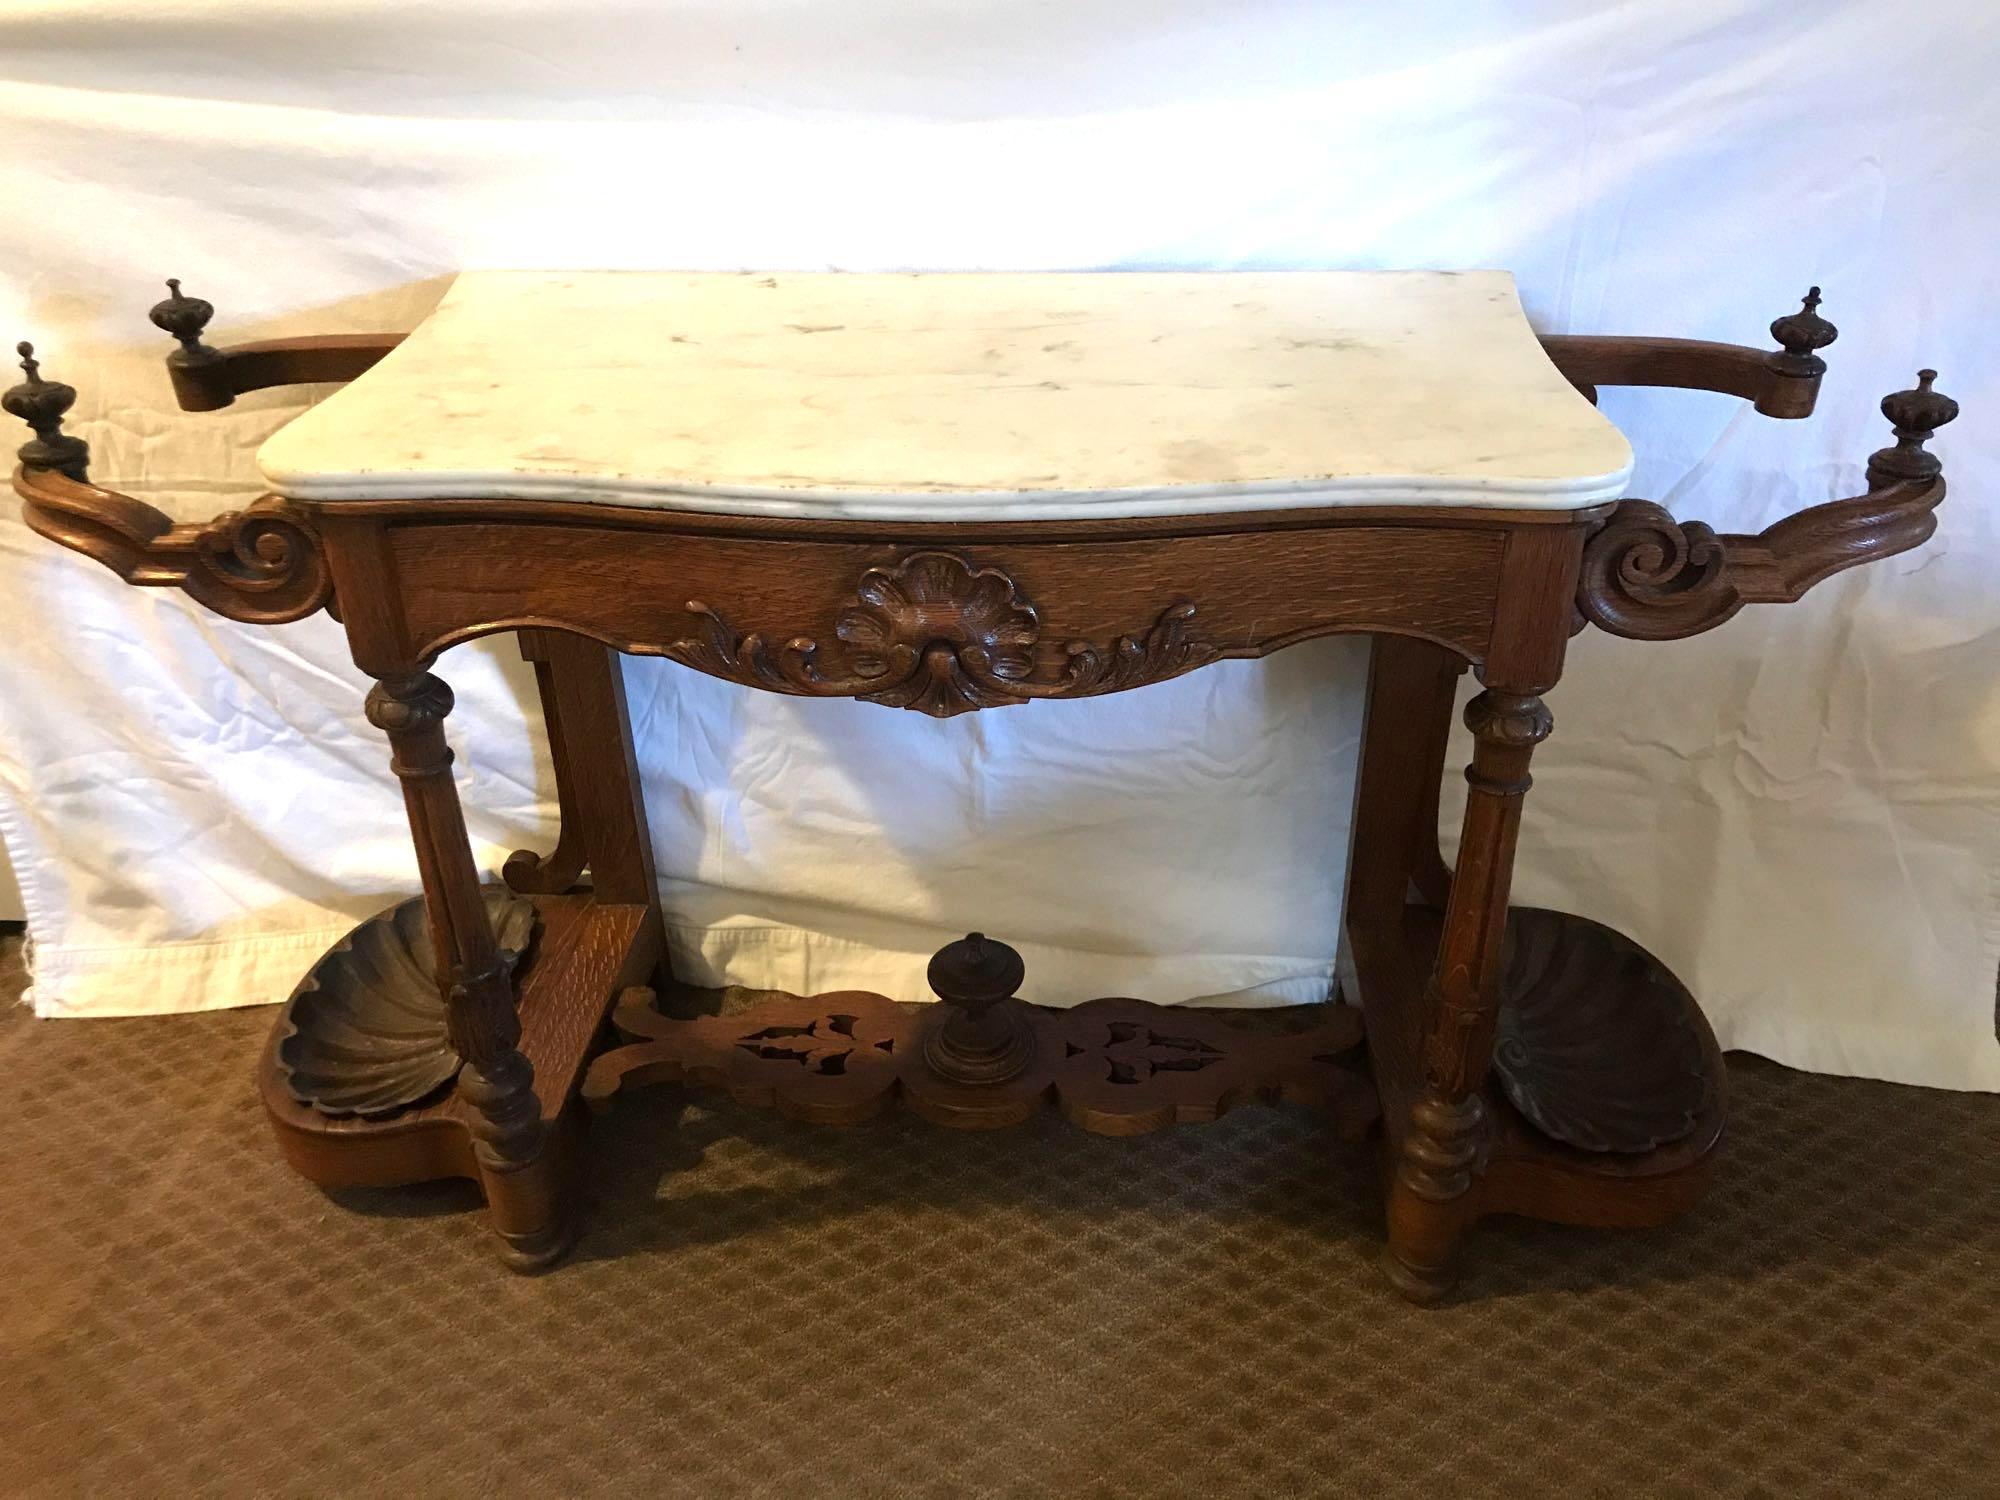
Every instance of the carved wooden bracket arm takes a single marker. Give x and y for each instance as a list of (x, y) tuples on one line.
[(263, 564), (1782, 383), (1652, 578), (207, 379)]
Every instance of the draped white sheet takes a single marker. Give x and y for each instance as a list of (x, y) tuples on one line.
[(1799, 812)]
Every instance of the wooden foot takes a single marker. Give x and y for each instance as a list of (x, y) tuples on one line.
[(533, 1206), (1428, 1206), (1426, 1286), (548, 1234), (530, 1254)]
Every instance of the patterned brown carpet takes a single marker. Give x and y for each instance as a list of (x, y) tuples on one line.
[(763, 1309)]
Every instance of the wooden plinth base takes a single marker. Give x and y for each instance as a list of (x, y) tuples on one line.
[(1115, 1067)]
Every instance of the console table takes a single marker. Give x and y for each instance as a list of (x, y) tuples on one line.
[(958, 493)]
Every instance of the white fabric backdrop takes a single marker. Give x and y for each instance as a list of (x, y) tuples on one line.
[(1800, 812)]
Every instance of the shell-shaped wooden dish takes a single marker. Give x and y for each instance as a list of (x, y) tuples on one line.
[(364, 1033), (1598, 1044)]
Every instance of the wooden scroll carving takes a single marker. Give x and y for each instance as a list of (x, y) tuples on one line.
[(263, 564), (1652, 578), (1114, 1067), (935, 634)]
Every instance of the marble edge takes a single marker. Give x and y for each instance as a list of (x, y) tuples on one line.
[(1416, 492)]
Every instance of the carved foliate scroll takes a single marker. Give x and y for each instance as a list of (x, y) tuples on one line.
[(1650, 577), (263, 564), (935, 634)]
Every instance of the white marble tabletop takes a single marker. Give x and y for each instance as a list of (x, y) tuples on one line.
[(958, 396)]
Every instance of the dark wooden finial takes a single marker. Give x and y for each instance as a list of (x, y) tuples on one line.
[(1802, 334), (976, 971), (982, 1039), (185, 318), (42, 404), (1916, 415)]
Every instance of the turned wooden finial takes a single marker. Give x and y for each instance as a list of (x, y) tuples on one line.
[(42, 404), (981, 1039), (1802, 334), (185, 318), (1916, 415), (976, 971)]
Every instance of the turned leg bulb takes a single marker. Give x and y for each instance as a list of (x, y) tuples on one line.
[(983, 1036)]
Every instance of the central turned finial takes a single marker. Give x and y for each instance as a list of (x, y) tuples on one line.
[(42, 404), (983, 1036)]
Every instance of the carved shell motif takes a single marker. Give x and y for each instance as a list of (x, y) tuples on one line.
[(1597, 1043), (933, 633), (938, 632), (364, 1033)]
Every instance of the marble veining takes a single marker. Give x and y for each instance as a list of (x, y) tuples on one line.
[(960, 396)]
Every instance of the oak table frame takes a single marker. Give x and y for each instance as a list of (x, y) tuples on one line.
[(948, 617)]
